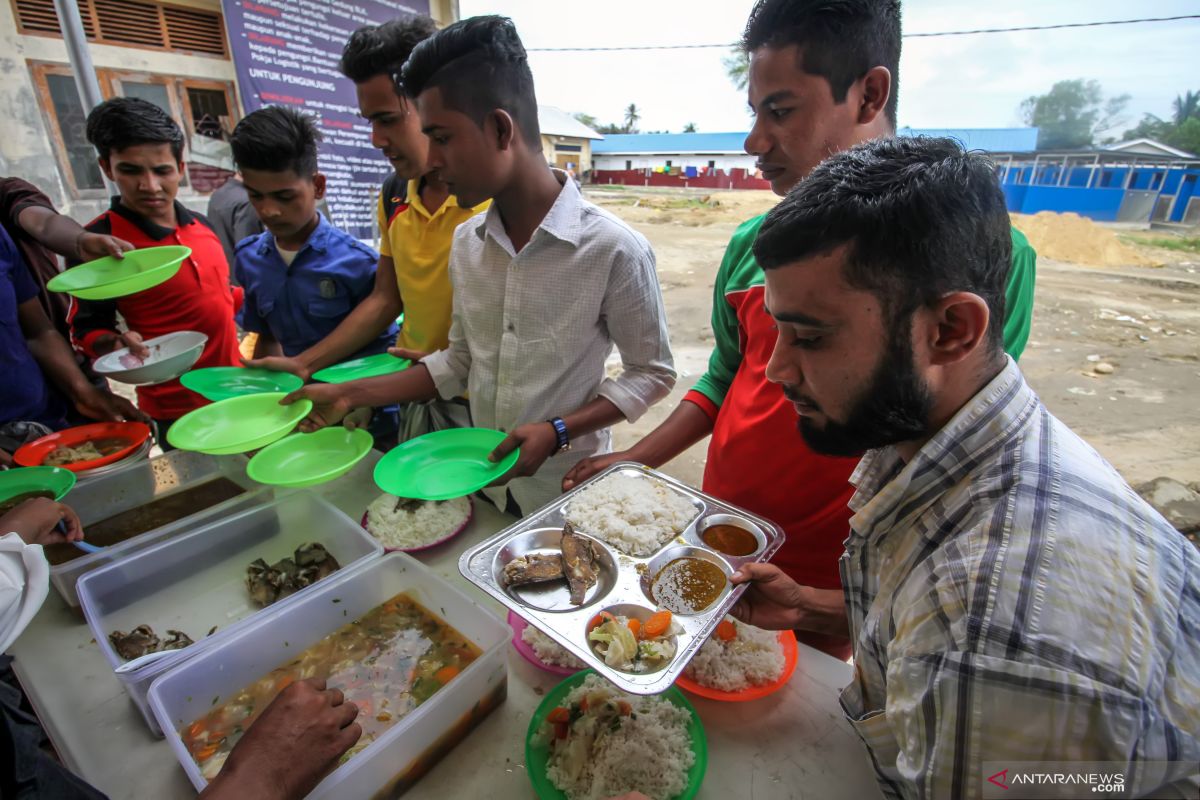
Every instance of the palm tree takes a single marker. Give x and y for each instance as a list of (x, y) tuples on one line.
[(689, 128), (632, 115), (737, 66), (1186, 106)]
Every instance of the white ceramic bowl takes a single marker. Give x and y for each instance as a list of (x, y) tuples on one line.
[(170, 356)]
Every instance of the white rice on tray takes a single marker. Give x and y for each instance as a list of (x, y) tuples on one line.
[(752, 658), (635, 515), (651, 752), (549, 651), (430, 521)]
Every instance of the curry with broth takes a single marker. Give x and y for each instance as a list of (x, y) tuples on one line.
[(154, 514), (387, 663)]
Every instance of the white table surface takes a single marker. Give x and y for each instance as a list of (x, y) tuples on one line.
[(792, 744)]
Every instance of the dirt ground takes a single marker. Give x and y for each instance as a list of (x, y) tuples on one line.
[(1144, 322)]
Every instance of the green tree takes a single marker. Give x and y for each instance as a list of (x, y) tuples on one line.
[(1182, 130), (1186, 106), (586, 119), (1072, 114), (689, 128), (737, 67), (632, 115)]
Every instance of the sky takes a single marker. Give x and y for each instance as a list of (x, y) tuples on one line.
[(951, 82)]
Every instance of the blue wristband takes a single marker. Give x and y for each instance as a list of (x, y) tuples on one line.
[(560, 431)]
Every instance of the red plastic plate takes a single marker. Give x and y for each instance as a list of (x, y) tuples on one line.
[(134, 434)]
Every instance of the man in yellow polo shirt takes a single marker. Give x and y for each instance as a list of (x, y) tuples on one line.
[(417, 218)]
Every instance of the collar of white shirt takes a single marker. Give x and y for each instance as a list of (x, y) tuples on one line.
[(563, 221)]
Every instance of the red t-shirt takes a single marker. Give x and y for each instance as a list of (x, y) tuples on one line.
[(198, 298)]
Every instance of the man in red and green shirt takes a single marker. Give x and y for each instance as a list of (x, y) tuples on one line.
[(822, 78), (141, 150)]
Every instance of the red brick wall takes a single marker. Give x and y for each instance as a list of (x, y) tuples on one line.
[(735, 179)]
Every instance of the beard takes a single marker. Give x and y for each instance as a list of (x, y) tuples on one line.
[(894, 407)]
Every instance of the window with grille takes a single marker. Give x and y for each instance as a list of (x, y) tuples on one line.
[(132, 23)]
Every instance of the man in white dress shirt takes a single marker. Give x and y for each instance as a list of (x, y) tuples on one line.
[(545, 283)]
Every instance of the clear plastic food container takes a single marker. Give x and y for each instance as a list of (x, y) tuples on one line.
[(106, 496), (197, 581), (403, 753)]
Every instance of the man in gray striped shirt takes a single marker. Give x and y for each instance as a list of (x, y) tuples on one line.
[(1010, 598)]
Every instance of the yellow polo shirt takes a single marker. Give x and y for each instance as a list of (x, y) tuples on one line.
[(418, 243)]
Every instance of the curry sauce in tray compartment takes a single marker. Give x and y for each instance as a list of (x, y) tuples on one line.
[(630, 571)]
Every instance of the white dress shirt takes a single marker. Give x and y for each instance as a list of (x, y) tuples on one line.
[(531, 331), (24, 582)]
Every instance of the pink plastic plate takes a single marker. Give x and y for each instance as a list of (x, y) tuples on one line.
[(466, 524), (518, 626)]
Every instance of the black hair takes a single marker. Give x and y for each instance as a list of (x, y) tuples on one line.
[(127, 121), (383, 49), (840, 40), (921, 216), (276, 139), (480, 65)]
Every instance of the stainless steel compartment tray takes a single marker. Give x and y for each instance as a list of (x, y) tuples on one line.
[(621, 581)]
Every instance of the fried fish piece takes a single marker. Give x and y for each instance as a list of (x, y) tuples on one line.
[(533, 568), (579, 562)]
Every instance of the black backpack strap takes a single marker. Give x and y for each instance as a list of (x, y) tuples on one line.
[(395, 194)]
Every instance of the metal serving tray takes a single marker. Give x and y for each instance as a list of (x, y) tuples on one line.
[(623, 584)]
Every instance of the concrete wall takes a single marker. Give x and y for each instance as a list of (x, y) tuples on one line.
[(583, 158), (733, 179), (27, 149)]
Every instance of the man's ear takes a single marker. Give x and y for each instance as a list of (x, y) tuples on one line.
[(106, 168), (505, 128), (319, 185), (959, 327), (876, 89)]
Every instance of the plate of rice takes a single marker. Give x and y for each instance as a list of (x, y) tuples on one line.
[(400, 523), (740, 662), (540, 650), (588, 740), (635, 514)]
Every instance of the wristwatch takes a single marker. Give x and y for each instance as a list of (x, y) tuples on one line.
[(560, 431)]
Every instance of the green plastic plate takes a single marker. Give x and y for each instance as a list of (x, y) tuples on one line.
[(35, 482), (537, 754), (109, 277), (366, 367), (443, 465), (222, 383), (238, 424), (306, 459)]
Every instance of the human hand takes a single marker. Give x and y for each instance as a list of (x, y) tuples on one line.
[(90, 246), (591, 466), (131, 339), (107, 407), (5, 458), (295, 743), (36, 522), (537, 441), (330, 405), (772, 600), (358, 418), (280, 364), (403, 352)]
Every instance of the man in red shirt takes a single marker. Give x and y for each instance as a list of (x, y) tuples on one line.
[(141, 150)]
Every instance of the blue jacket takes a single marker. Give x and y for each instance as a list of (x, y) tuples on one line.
[(302, 304)]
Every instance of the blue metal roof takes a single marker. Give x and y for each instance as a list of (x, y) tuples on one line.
[(671, 143), (990, 139)]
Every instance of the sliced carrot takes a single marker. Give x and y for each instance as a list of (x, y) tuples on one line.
[(445, 674), (561, 729), (206, 752), (285, 682), (726, 631), (559, 714), (625, 708), (635, 625), (196, 729), (583, 704), (657, 625), (599, 619)]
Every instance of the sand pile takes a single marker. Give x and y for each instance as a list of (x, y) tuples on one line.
[(1070, 237)]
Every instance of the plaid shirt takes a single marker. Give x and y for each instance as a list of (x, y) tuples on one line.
[(1012, 599)]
